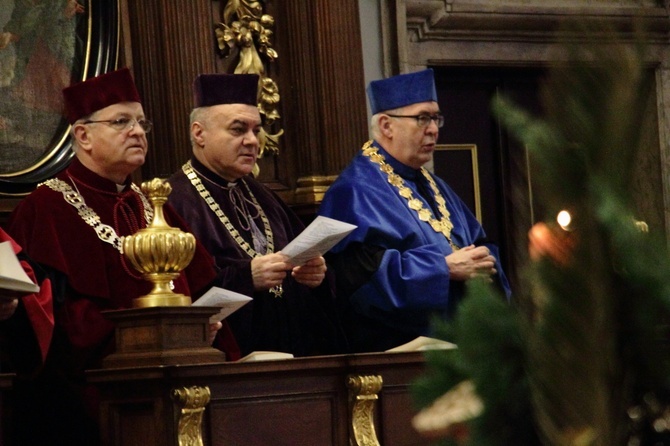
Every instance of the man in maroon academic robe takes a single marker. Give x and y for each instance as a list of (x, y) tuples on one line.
[(71, 225), (244, 226)]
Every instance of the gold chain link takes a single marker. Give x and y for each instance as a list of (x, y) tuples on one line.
[(104, 232), (444, 224), (193, 177)]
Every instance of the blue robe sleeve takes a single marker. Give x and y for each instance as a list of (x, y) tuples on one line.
[(415, 279)]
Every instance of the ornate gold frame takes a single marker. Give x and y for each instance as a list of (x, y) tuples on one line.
[(97, 53), (472, 148)]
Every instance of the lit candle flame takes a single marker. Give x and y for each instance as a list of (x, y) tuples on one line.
[(564, 219)]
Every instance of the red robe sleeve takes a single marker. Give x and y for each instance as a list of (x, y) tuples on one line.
[(39, 306)]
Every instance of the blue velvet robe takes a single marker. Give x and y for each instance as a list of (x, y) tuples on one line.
[(408, 280)]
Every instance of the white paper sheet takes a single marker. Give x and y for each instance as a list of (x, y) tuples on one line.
[(317, 238), (12, 275), (229, 301)]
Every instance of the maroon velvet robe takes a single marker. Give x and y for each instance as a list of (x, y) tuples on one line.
[(302, 321), (39, 306)]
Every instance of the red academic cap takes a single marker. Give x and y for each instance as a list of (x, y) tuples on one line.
[(215, 89), (96, 93)]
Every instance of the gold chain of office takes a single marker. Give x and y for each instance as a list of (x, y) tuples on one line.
[(104, 232), (444, 224), (193, 177)]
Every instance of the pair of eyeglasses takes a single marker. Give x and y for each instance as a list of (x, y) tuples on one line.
[(123, 124), (423, 120)]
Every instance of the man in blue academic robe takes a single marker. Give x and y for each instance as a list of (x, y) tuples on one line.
[(416, 242)]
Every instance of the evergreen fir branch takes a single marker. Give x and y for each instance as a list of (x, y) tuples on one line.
[(585, 367), (490, 352)]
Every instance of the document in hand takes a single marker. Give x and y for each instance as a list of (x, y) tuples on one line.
[(12, 275), (229, 301), (317, 238)]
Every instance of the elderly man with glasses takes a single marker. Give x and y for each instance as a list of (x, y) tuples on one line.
[(416, 242), (71, 225)]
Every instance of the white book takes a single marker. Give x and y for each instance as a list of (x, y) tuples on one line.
[(228, 301), (423, 343), (12, 275), (265, 355), (317, 238)]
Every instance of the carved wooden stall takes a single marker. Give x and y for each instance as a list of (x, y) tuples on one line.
[(317, 67), (361, 399)]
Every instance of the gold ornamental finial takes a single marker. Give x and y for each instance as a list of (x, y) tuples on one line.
[(245, 31), (159, 251)]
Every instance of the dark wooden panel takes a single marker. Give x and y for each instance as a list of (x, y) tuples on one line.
[(465, 95), (264, 421), (171, 42), (320, 70), (135, 423), (303, 401), (396, 404)]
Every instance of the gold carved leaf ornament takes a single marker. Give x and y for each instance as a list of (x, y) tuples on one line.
[(264, 35), (241, 8), (269, 99), (246, 29)]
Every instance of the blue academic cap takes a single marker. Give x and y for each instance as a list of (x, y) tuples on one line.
[(401, 90)]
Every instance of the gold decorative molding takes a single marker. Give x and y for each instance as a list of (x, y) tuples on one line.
[(245, 32), (530, 20), (363, 390), (312, 189), (193, 401)]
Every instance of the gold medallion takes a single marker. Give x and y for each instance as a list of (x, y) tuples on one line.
[(424, 215), (416, 205)]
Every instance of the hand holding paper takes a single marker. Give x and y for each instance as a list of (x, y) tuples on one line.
[(311, 273), (317, 238)]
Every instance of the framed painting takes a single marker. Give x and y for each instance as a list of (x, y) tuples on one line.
[(457, 165), (45, 45)]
